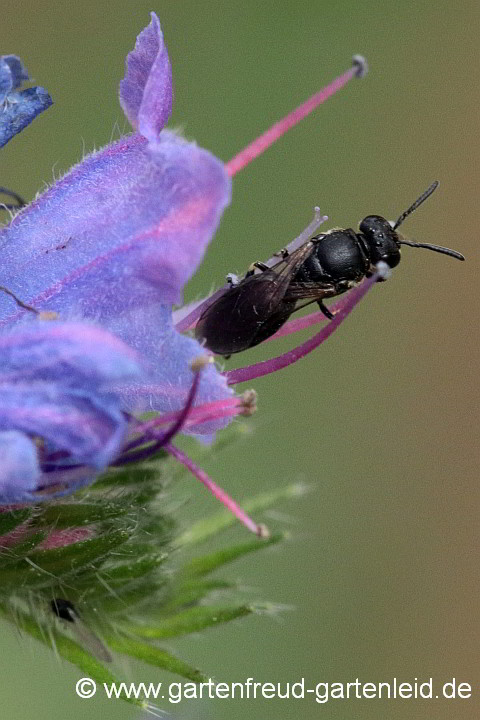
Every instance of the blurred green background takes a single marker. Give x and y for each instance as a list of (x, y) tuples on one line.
[(380, 577)]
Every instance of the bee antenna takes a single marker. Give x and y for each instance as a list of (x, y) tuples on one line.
[(436, 248), (416, 204)]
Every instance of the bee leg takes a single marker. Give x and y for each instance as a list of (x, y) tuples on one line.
[(256, 266), (325, 310), (232, 279)]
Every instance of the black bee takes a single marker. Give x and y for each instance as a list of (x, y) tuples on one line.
[(65, 610), (329, 264)]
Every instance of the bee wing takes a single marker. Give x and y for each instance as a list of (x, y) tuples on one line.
[(289, 264), (278, 278), (231, 323), (89, 640), (69, 617), (309, 291)]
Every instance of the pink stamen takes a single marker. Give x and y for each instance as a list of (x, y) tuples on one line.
[(227, 407), (130, 451), (281, 361), (217, 491), (303, 323), (258, 146)]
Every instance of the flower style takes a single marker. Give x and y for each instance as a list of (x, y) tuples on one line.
[(106, 251)]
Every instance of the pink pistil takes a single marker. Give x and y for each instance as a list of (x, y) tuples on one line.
[(217, 491), (258, 146), (281, 361)]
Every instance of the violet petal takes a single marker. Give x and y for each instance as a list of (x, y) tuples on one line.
[(66, 353), (20, 471), (126, 228), (56, 384), (87, 425), (12, 74), (17, 109), (115, 241), (170, 377), (146, 90)]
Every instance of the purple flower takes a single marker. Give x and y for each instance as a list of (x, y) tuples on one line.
[(112, 244), (18, 107), (115, 240), (61, 420)]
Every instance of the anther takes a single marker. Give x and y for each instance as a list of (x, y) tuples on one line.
[(263, 531), (48, 315), (200, 362), (248, 403), (360, 65)]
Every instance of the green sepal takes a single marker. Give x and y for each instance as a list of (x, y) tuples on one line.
[(69, 650), (191, 620), (10, 519), (214, 524), (191, 592), (70, 558), (65, 515), (208, 563), (154, 656)]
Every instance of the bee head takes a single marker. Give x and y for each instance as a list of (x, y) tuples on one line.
[(381, 240)]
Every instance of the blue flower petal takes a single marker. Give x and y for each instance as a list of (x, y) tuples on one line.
[(169, 378), (59, 407), (19, 468), (146, 91), (126, 228), (12, 74), (18, 109), (89, 426), (115, 240), (65, 353)]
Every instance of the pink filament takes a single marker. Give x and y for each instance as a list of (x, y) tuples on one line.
[(281, 361), (258, 146), (217, 491), (302, 323), (227, 407)]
